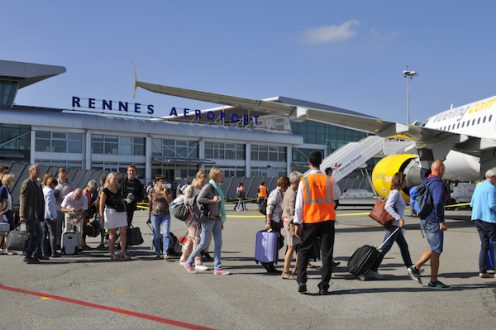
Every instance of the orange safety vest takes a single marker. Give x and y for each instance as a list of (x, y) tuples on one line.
[(318, 198), (262, 191)]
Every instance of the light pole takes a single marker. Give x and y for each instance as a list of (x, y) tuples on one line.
[(408, 74)]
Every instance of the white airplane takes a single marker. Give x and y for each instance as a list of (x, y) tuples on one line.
[(465, 136)]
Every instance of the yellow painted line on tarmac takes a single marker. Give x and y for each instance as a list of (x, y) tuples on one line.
[(352, 214), (119, 290), (245, 216), (45, 298)]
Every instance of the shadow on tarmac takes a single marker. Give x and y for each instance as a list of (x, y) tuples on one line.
[(413, 289)]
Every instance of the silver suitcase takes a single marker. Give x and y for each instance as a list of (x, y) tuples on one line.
[(4, 228), (69, 242)]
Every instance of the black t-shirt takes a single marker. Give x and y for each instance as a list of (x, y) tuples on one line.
[(114, 200), (134, 187)]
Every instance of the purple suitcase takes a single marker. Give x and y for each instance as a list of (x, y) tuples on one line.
[(266, 246)]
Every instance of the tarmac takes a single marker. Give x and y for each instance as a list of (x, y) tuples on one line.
[(89, 291)]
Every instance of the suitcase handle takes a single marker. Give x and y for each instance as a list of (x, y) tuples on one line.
[(394, 232)]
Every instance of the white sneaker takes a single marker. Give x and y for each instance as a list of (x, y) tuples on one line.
[(201, 268), (375, 274), (182, 262)]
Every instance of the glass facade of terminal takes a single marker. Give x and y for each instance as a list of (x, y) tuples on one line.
[(329, 137), (15, 142), (219, 150), (117, 145), (8, 90), (64, 142)]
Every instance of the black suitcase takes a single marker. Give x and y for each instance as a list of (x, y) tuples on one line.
[(364, 257)]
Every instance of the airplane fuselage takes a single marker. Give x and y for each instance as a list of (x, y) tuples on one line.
[(476, 119)]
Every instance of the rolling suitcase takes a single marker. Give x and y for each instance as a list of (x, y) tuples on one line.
[(490, 257), (68, 242), (4, 228), (364, 257), (266, 246)]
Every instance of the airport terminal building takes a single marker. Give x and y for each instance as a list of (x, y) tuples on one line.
[(109, 134)]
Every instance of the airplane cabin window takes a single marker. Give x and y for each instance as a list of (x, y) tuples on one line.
[(458, 126), (463, 124), (468, 123), (490, 117), (478, 121), (484, 119), (473, 122)]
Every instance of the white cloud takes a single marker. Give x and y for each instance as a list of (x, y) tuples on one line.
[(331, 33)]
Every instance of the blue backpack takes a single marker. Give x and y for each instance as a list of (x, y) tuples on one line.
[(413, 193), (421, 200)]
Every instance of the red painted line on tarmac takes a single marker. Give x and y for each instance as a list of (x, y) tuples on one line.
[(108, 308)]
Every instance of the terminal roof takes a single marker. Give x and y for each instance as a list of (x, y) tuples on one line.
[(27, 73)]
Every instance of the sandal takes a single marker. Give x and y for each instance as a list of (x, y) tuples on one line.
[(124, 256), (11, 253), (114, 258), (288, 276)]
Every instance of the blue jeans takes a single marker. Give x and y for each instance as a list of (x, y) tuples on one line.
[(399, 238), (487, 232), (158, 220), (433, 234), (211, 227), (34, 247), (240, 204), (49, 240)]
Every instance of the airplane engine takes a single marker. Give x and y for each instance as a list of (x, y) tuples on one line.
[(388, 166)]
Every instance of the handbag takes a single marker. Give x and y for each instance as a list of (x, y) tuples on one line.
[(92, 229), (379, 214), (180, 212), (200, 211), (134, 236), (19, 240)]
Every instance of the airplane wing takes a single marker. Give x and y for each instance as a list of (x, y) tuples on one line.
[(424, 137)]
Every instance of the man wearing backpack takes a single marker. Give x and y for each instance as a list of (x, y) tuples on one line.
[(433, 226)]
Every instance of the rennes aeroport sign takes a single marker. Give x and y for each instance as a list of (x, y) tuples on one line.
[(137, 109)]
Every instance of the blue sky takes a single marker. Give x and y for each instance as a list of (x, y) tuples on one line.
[(343, 53)]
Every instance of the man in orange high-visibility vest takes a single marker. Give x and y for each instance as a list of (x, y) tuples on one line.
[(262, 192), (315, 217)]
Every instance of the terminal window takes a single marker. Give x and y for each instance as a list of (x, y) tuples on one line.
[(117, 145), (63, 142), (218, 150), (173, 148), (8, 89), (15, 137)]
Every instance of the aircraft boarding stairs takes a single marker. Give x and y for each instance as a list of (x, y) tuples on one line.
[(354, 155)]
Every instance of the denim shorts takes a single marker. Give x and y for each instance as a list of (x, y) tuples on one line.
[(433, 234)]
